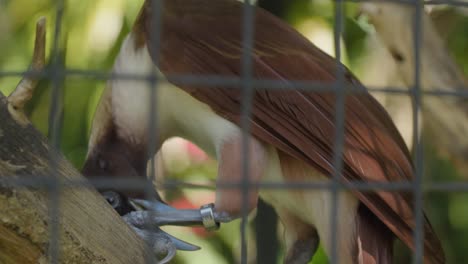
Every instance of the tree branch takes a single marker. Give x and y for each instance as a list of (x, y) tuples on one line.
[(25, 88), (90, 231), (445, 117)]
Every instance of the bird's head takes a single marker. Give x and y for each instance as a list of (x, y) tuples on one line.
[(111, 155), (113, 158)]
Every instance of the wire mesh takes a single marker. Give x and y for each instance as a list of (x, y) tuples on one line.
[(246, 106), (416, 96), (54, 127), (57, 72), (153, 82)]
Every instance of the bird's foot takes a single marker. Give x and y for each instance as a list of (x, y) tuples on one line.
[(145, 217), (156, 213)]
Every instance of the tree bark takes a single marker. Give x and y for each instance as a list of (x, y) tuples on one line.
[(90, 231)]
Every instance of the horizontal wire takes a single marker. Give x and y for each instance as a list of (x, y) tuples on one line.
[(234, 82), (134, 184)]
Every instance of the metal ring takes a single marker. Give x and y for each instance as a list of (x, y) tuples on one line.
[(208, 219)]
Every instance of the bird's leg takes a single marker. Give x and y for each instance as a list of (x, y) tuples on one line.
[(230, 197), (156, 213), (302, 239), (233, 196)]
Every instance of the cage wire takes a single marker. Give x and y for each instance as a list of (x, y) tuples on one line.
[(54, 134), (56, 72)]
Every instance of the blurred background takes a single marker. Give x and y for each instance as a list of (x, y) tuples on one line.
[(90, 36)]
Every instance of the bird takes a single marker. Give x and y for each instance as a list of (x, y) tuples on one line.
[(292, 132)]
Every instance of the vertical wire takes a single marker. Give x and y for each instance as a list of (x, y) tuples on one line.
[(153, 139), (54, 138), (339, 131), (247, 97), (416, 91)]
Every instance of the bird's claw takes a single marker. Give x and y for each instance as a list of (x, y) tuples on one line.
[(150, 215), (145, 217), (163, 244)]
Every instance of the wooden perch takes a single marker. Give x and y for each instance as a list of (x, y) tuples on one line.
[(445, 117), (90, 231)]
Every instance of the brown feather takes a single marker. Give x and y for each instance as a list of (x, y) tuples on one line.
[(203, 37), (374, 239)]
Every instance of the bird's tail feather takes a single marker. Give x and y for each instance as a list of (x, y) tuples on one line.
[(374, 239)]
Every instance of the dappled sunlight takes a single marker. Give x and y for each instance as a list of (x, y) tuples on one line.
[(321, 34), (105, 26)]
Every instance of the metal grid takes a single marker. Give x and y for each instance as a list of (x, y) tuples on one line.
[(56, 72)]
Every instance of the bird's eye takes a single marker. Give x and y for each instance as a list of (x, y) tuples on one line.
[(103, 164)]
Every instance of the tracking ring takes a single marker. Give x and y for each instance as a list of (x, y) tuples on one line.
[(208, 218)]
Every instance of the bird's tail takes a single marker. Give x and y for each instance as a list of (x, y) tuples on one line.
[(374, 239)]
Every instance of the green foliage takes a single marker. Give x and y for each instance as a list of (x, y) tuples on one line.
[(354, 38), (458, 42), (447, 211), (320, 257)]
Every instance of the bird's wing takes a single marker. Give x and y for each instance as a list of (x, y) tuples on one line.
[(200, 38)]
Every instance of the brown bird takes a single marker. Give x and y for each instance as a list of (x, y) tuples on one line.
[(292, 131)]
